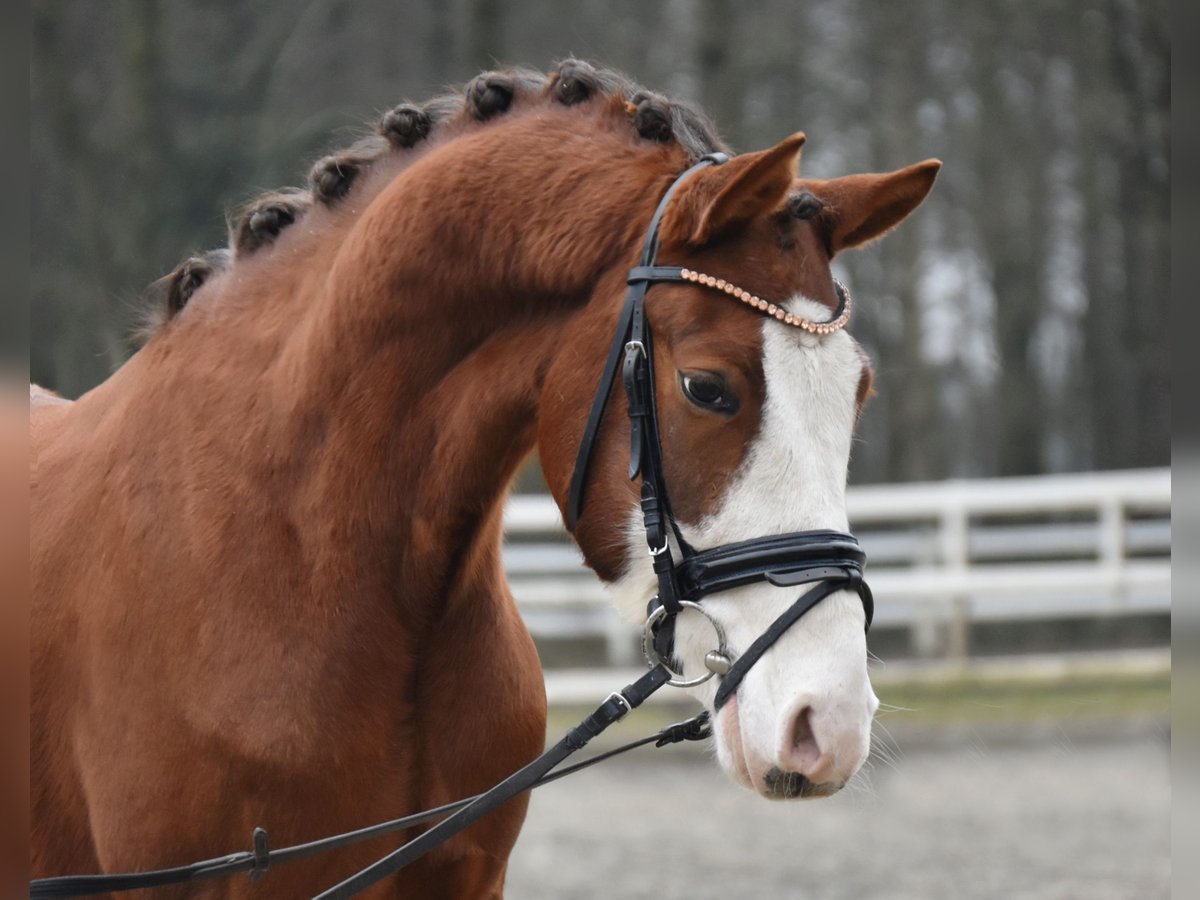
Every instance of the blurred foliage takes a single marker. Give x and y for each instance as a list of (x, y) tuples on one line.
[(1018, 323)]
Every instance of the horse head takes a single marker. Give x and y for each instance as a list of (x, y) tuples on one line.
[(756, 403)]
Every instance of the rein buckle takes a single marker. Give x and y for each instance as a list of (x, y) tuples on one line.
[(621, 699)]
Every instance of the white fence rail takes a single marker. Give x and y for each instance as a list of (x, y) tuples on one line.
[(941, 556)]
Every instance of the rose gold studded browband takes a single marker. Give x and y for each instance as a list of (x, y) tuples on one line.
[(658, 274), (840, 317)]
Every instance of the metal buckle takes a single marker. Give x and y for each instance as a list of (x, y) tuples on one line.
[(652, 657), (660, 550), (636, 345)]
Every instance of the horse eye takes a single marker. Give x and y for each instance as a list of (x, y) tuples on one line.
[(708, 391)]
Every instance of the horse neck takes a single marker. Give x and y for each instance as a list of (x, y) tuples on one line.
[(424, 359)]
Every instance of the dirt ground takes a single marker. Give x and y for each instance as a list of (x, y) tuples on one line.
[(1048, 815)]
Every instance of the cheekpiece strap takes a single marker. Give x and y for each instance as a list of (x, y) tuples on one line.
[(640, 279)]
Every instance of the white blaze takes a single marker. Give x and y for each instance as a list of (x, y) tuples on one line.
[(792, 478)]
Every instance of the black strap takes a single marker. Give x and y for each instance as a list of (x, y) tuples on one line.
[(638, 383), (654, 274), (650, 245), (583, 458), (87, 885), (261, 854), (640, 278), (742, 665), (784, 560)]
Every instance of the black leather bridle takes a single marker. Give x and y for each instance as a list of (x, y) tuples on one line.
[(830, 560)]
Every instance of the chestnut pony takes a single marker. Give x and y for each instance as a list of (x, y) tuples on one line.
[(266, 552)]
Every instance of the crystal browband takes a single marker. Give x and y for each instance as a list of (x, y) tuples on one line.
[(841, 316)]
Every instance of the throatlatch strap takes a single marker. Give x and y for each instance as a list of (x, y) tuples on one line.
[(583, 458)]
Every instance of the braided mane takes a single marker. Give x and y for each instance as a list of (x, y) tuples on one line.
[(401, 136)]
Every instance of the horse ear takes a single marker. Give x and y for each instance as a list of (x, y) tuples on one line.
[(732, 194), (860, 208)]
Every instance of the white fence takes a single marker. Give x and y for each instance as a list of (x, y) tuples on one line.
[(941, 556)]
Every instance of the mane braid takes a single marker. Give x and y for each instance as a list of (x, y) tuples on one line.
[(260, 223), (332, 177), (167, 296)]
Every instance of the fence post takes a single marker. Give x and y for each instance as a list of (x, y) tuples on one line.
[(1112, 545), (955, 556)]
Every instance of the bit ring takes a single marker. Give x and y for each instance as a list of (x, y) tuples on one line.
[(677, 678)]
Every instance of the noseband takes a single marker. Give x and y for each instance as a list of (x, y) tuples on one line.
[(831, 561)]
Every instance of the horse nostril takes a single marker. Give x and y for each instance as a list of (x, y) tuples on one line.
[(804, 752)]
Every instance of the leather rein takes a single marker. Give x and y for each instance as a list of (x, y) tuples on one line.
[(831, 561)]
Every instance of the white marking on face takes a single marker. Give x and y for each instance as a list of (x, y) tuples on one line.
[(793, 478)]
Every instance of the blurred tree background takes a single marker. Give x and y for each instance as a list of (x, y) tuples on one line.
[(1018, 324)]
